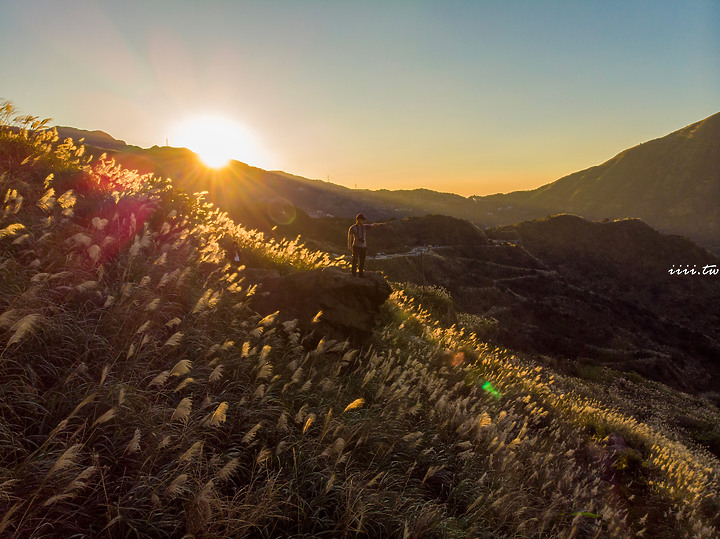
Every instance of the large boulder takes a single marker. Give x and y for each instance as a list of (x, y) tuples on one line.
[(327, 302)]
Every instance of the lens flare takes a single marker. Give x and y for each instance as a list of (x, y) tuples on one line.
[(281, 211), (458, 358), (487, 386)]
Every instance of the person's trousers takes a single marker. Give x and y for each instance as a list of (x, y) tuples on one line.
[(358, 259)]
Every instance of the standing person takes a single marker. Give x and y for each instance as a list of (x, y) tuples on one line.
[(357, 244)]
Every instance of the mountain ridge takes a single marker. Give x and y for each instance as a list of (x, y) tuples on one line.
[(671, 182)]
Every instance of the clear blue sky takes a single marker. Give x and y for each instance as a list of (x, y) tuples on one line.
[(472, 97)]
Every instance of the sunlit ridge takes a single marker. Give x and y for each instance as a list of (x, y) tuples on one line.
[(216, 140)]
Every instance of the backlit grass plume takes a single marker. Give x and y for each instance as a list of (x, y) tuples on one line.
[(142, 397)]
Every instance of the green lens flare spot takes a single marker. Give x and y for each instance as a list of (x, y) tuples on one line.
[(487, 386)]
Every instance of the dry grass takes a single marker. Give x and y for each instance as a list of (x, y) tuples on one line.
[(140, 396)]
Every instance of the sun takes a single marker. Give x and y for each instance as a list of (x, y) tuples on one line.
[(216, 140)]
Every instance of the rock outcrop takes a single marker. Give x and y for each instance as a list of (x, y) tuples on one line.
[(327, 302)]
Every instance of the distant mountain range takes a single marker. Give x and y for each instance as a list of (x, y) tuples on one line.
[(672, 183)]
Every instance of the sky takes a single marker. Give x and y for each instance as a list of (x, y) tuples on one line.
[(473, 97)]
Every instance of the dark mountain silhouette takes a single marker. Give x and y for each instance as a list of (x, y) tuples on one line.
[(672, 183), (239, 185)]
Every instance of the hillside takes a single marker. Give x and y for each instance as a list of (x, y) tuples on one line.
[(581, 292), (142, 395), (671, 183)]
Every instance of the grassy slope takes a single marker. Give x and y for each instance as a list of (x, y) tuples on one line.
[(140, 396)]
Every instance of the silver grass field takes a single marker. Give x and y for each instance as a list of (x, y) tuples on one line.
[(140, 396)]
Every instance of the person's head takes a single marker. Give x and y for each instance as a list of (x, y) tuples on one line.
[(360, 218)]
